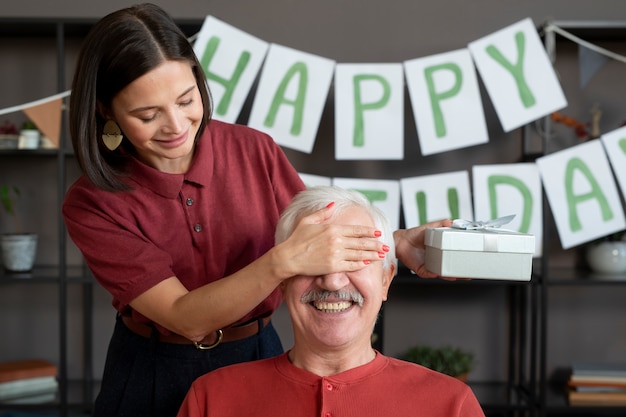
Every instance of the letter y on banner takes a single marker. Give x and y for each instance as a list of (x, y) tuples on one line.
[(517, 74), (231, 60)]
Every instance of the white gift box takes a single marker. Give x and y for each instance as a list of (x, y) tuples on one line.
[(488, 253)]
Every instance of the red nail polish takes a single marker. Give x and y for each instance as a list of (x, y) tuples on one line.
[(378, 233), (386, 248), (331, 204), (366, 262), (381, 255)]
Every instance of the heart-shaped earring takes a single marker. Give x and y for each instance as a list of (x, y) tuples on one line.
[(111, 135)]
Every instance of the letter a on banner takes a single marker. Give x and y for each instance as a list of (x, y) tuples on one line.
[(582, 193), (446, 101), (369, 111), (517, 74), (290, 99), (231, 60)]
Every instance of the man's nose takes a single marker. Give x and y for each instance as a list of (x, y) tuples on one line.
[(334, 281)]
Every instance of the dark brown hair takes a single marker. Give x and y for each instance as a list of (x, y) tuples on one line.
[(120, 48)]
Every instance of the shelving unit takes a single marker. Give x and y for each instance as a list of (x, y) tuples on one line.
[(525, 392)]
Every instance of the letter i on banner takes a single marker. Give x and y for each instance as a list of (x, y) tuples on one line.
[(290, 99), (231, 60), (384, 194), (517, 74), (369, 112), (434, 197), (582, 193), (503, 189), (446, 102)]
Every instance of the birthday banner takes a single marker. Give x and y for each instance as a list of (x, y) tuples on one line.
[(293, 87)]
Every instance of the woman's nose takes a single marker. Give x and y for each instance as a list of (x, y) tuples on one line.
[(173, 122)]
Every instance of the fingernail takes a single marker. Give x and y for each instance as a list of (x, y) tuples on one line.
[(378, 233), (366, 262), (386, 248), (331, 204), (381, 255)]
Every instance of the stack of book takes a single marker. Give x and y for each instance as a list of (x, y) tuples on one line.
[(28, 382), (597, 384)]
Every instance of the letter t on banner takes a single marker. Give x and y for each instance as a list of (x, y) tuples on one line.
[(231, 60), (517, 74), (369, 111)]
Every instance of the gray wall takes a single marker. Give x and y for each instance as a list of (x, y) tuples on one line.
[(350, 31)]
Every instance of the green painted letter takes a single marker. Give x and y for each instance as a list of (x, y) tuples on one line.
[(517, 69), (300, 69), (360, 107), (576, 164), (229, 85), (493, 181), (436, 98)]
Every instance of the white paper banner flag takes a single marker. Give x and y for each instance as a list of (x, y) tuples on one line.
[(231, 60), (615, 145), (311, 180), (369, 111), (435, 197), (517, 74), (446, 102), (384, 194), (582, 193), (510, 189), (290, 99)]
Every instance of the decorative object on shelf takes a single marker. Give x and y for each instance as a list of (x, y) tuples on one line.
[(18, 248), (8, 135), (29, 136), (608, 256), (447, 360)]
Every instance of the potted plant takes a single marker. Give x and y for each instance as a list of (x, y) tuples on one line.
[(18, 248), (29, 136), (447, 360)]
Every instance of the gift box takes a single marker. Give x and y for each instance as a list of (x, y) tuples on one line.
[(480, 253)]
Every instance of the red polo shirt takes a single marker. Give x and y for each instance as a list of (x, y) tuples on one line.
[(199, 226)]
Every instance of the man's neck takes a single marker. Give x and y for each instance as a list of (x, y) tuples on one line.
[(325, 362)]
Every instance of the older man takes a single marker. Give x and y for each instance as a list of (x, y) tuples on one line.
[(332, 369)]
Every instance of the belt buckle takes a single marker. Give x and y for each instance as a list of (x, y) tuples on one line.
[(202, 346)]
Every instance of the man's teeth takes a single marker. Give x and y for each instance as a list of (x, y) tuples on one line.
[(332, 307)]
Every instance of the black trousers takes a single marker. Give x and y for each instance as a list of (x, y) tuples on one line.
[(144, 377)]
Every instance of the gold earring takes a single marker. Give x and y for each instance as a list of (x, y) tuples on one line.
[(111, 135)]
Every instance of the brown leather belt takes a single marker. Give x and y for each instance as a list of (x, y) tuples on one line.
[(229, 334)]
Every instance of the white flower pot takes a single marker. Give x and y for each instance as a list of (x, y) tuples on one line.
[(607, 257), (18, 251)]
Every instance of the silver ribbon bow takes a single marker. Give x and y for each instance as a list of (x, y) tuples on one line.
[(490, 224)]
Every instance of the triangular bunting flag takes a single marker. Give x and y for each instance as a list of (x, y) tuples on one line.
[(47, 117), (589, 62)]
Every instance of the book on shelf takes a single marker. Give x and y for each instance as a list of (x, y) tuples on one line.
[(598, 398), (24, 369), (600, 369), (28, 382)]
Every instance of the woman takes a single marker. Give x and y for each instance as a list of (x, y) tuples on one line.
[(175, 216)]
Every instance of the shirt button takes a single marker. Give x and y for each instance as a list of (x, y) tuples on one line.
[(327, 414), (197, 228), (329, 386), (189, 201)]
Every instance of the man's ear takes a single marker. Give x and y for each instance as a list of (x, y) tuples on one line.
[(388, 275)]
